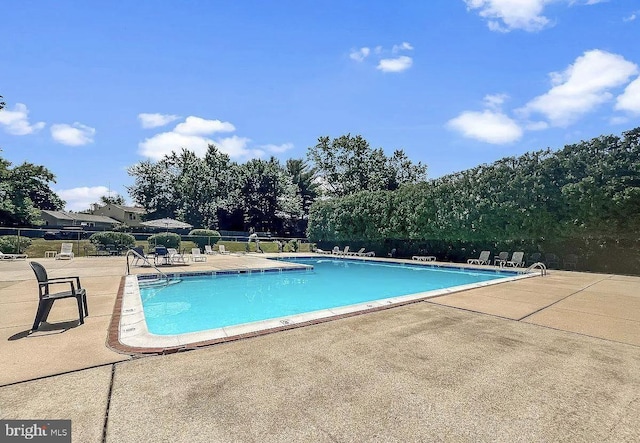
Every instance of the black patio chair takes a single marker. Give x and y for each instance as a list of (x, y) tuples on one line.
[(47, 298), (534, 257), (551, 260), (571, 261)]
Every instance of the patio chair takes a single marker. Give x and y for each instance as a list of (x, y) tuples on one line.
[(139, 255), (196, 255), (335, 250), (551, 260), (222, 249), (516, 260), (345, 251), (161, 256), (4, 256), (392, 254), (357, 253), (175, 256), (571, 261), (534, 258), (483, 259), (208, 250), (500, 259), (66, 252), (47, 298)]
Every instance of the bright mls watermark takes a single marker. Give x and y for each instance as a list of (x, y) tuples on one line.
[(41, 431)]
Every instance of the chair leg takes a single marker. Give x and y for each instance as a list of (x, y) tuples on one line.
[(43, 312), (80, 309), (86, 308)]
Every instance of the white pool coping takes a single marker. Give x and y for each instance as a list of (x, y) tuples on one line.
[(133, 329)]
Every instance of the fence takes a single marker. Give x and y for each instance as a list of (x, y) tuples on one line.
[(42, 242)]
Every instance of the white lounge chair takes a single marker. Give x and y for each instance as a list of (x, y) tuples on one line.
[(516, 260), (357, 253), (175, 256), (484, 259), (500, 259), (222, 249), (208, 250), (66, 252), (196, 255), (4, 256), (424, 258), (345, 252)]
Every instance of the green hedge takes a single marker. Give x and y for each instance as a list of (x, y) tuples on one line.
[(166, 239), (119, 239), (8, 244), (202, 237)]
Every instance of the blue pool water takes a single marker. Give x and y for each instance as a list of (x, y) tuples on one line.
[(208, 302)]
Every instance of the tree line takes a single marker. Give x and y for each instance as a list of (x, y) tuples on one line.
[(586, 193), (266, 195)]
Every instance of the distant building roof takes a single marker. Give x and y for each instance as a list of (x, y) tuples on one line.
[(136, 209), (64, 215)]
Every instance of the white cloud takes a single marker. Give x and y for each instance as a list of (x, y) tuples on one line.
[(487, 126), (237, 147), (191, 135), (495, 101), (359, 54), (156, 120), (630, 18), (277, 149), (397, 64), (404, 46), (72, 135), (199, 126), (79, 199), (629, 100), (159, 145), (16, 122), (506, 15), (581, 87)]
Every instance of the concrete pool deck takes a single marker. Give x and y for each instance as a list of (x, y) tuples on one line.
[(542, 359)]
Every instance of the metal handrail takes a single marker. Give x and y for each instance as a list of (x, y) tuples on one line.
[(139, 256), (538, 265)]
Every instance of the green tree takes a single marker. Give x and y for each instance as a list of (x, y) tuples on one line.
[(112, 200), (24, 190), (184, 186), (305, 179), (348, 165), (266, 195)]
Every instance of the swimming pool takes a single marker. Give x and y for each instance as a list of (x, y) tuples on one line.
[(216, 305)]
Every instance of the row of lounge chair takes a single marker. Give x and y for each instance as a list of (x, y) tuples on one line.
[(517, 259), (337, 251), (502, 259)]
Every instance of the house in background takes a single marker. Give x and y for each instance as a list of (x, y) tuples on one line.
[(61, 219), (129, 215)]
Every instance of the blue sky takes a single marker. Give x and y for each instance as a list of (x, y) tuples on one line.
[(95, 87)]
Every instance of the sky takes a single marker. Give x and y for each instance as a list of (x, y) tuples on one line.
[(92, 88)]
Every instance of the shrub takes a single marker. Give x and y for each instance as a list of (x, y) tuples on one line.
[(119, 239), (202, 237), (294, 245), (8, 244), (166, 239)]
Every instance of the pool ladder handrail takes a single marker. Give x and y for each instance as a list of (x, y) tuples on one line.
[(538, 265), (137, 255)]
